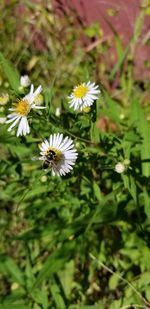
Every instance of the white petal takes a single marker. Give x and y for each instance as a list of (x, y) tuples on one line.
[(27, 127), (58, 140), (12, 119), (12, 115), (71, 156), (51, 140), (34, 106), (45, 144), (38, 91), (13, 124), (67, 143), (22, 128)]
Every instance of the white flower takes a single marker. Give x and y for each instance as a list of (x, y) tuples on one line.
[(83, 95), (120, 167), (59, 153), (25, 81), (21, 110)]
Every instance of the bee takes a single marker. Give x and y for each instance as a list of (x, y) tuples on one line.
[(49, 158)]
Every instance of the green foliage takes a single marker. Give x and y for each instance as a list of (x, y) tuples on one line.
[(11, 74), (80, 241)]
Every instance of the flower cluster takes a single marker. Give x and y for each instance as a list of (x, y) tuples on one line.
[(58, 152)]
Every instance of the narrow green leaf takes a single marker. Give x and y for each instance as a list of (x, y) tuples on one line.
[(130, 185), (88, 307), (138, 119), (66, 277), (56, 293), (11, 74), (146, 203), (119, 45), (145, 148), (55, 262), (120, 61), (97, 191)]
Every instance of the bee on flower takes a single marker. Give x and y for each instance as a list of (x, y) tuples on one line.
[(58, 153), (83, 95), (21, 110)]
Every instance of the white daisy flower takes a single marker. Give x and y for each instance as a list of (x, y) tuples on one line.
[(21, 110), (59, 153), (25, 81), (84, 95)]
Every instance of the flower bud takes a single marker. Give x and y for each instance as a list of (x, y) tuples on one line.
[(120, 167), (25, 81), (4, 98)]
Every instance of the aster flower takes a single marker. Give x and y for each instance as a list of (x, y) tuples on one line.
[(21, 110), (25, 81), (59, 153), (83, 95)]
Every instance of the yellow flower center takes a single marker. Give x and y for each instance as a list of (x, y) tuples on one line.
[(80, 91), (54, 154), (22, 107)]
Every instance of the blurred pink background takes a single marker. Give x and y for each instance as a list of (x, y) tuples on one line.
[(122, 16)]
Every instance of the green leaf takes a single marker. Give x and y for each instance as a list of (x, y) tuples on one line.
[(11, 74), (112, 109), (119, 45), (40, 297), (12, 306), (97, 191), (145, 148), (56, 293), (129, 183), (146, 203), (113, 282), (120, 61), (66, 277), (30, 278), (138, 119), (11, 267), (54, 262), (88, 307)]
